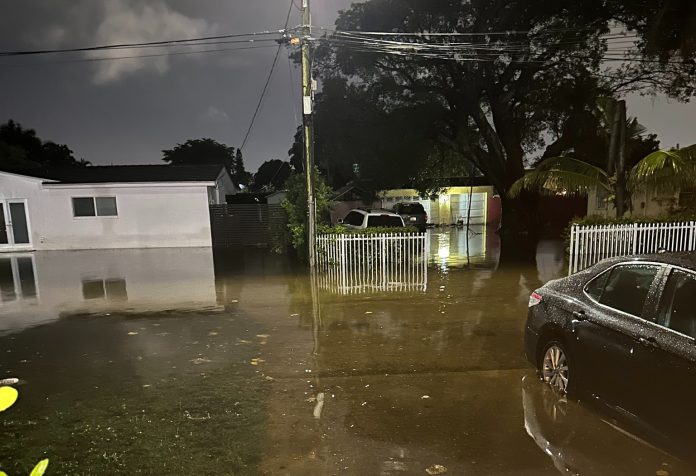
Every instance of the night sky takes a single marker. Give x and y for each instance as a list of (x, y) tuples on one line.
[(126, 111)]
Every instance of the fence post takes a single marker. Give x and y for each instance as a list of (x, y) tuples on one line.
[(571, 253), (635, 239), (692, 236)]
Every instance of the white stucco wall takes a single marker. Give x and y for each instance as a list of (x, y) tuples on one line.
[(150, 215), (645, 203)]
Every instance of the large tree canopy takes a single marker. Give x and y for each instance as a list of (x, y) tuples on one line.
[(499, 82), (22, 151), (271, 175), (208, 151)]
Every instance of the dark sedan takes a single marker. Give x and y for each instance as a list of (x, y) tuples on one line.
[(623, 333)]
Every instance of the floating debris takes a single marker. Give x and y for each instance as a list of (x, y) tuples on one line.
[(425, 397), (368, 312), (132, 333), (436, 469), (200, 360), (319, 406), (9, 381), (213, 333), (257, 361)]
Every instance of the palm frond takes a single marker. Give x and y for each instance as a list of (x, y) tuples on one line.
[(665, 170), (561, 175)]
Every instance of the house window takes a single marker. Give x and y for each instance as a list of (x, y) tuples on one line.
[(94, 206)]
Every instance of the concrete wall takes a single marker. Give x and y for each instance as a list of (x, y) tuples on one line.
[(149, 215)]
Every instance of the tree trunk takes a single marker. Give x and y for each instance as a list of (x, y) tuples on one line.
[(621, 193)]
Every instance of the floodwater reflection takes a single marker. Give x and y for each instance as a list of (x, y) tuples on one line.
[(42, 286), (457, 247), (181, 361)]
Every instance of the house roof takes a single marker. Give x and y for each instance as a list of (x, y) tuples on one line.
[(135, 174), (124, 174)]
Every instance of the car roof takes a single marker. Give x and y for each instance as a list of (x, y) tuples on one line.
[(374, 211), (681, 259)]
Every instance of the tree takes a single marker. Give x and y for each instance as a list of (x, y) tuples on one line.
[(239, 173), (272, 175), (661, 170), (208, 151), (499, 95), (22, 151), (295, 205), (296, 152)]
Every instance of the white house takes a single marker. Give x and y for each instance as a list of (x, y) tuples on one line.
[(138, 206)]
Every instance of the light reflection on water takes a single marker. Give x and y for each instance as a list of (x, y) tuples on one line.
[(38, 287), (448, 357)]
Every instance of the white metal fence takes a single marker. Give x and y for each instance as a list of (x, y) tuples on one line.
[(384, 262), (591, 244)]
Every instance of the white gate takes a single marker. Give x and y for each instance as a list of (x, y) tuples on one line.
[(591, 244), (382, 262)]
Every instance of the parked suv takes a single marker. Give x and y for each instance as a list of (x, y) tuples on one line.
[(365, 218), (413, 214)]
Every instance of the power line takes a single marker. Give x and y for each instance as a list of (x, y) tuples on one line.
[(268, 81), (176, 53), (139, 45)]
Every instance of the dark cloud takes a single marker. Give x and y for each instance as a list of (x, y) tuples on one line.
[(128, 110)]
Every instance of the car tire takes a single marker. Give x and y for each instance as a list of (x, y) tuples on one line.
[(555, 366)]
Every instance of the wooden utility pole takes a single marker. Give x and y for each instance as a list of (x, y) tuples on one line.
[(308, 131)]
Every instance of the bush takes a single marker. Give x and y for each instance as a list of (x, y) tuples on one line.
[(343, 230), (295, 204)]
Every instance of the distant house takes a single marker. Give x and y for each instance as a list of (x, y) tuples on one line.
[(462, 199), (644, 203), (139, 206)]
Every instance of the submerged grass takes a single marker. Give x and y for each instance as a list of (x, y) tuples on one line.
[(193, 421)]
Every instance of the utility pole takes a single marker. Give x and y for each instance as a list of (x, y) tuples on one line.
[(308, 131)]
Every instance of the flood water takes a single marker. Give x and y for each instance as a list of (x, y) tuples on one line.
[(180, 362)]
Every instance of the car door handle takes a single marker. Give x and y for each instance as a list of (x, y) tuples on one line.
[(648, 342), (579, 315)]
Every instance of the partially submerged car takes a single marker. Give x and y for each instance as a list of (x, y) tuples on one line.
[(371, 218), (622, 333), (413, 214)]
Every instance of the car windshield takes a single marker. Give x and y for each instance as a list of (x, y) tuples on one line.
[(384, 220)]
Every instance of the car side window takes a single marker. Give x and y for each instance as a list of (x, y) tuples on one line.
[(627, 287), (596, 286), (354, 218), (678, 305)]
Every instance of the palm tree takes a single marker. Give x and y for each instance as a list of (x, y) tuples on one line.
[(662, 170), (665, 170)]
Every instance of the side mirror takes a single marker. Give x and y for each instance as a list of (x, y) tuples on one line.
[(340, 221)]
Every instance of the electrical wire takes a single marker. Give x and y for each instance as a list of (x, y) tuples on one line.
[(111, 58), (138, 45), (268, 81)]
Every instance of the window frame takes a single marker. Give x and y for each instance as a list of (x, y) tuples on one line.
[(647, 314), (658, 302), (94, 204)]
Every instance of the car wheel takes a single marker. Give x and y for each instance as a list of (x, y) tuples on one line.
[(554, 366)]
